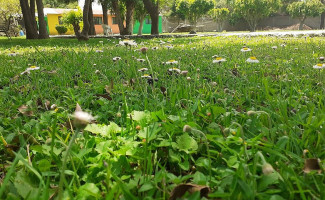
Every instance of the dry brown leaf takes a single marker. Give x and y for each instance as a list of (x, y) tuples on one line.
[(25, 110), (47, 104), (107, 89), (181, 189), (312, 164), (105, 96)]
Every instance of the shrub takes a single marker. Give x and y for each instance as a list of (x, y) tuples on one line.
[(61, 29)]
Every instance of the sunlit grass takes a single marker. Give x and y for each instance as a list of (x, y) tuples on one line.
[(253, 125)]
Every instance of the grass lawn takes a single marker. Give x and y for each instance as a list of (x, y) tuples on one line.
[(193, 110)]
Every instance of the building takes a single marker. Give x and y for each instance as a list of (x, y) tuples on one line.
[(53, 15)]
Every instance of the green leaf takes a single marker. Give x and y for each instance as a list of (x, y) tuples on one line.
[(44, 165), (25, 186), (199, 178), (103, 130), (150, 132), (186, 143), (88, 190), (145, 187), (140, 115), (267, 180)]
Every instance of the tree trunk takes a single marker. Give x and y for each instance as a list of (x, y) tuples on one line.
[(322, 17), (153, 10), (31, 31), (141, 20), (116, 8), (32, 12), (128, 29), (43, 34), (130, 5), (76, 29), (301, 24), (85, 29), (92, 30), (105, 8)]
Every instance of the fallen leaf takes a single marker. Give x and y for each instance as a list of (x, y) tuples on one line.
[(105, 96), (181, 189), (312, 164), (25, 110)]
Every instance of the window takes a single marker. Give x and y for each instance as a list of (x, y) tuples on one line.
[(148, 20), (114, 20), (60, 20), (98, 20)]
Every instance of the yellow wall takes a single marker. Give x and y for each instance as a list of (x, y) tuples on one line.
[(53, 20)]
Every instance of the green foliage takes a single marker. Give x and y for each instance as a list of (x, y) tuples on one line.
[(191, 9), (219, 15), (304, 9), (73, 18), (61, 29), (255, 10)]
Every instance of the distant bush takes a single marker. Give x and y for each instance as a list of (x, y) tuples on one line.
[(61, 29)]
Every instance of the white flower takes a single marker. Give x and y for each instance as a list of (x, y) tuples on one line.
[(215, 56), (171, 62), (128, 42), (245, 49), (283, 45), (99, 51), (101, 42), (146, 76), (319, 66), (116, 58), (53, 106), (142, 69), (12, 54), (97, 71), (31, 68), (219, 60), (274, 47), (184, 73), (141, 60), (81, 118), (252, 60), (188, 78), (154, 48), (169, 47), (175, 70)]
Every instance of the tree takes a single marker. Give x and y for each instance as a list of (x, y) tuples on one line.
[(29, 19), (105, 5), (197, 9), (304, 9), (43, 34), (322, 17), (124, 9), (179, 10), (193, 10), (91, 30), (152, 6), (8, 9), (86, 25), (255, 10), (219, 15), (74, 18), (140, 14)]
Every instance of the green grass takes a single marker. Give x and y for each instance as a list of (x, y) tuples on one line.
[(137, 148)]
